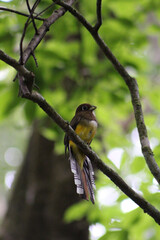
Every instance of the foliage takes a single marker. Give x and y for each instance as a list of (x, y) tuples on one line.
[(73, 70)]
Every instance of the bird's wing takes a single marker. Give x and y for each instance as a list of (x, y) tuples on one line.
[(75, 120)]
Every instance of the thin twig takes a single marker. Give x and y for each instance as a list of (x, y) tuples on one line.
[(146, 206), (75, 13), (35, 59), (43, 30), (40, 13), (21, 41), (37, 98), (24, 31), (99, 15), (24, 56), (32, 17), (64, 125), (133, 88), (20, 13)]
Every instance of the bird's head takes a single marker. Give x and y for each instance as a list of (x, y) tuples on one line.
[(85, 107)]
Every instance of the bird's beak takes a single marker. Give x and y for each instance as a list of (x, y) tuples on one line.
[(92, 108)]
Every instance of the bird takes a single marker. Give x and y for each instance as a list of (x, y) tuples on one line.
[(85, 125)]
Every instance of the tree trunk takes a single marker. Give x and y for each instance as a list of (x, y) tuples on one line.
[(42, 192)]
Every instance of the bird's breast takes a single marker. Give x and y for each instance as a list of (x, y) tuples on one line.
[(86, 130)]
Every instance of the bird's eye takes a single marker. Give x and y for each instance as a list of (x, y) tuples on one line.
[(84, 108)]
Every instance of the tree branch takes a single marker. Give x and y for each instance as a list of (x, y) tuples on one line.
[(27, 77), (20, 13), (39, 35), (26, 25), (31, 11), (16, 65), (44, 10), (24, 56), (99, 15), (139, 200), (132, 85), (37, 98), (43, 30), (133, 88)]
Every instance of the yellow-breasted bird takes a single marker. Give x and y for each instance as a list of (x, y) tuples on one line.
[(85, 125)]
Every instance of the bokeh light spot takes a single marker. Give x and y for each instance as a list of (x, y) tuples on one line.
[(96, 231), (13, 156), (9, 177)]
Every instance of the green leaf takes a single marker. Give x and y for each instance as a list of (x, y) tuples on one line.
[(138, 164)]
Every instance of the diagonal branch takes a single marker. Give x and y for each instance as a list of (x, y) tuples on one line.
[(133, 88), (132, 85), (24, 56), (43, 30), (16, 65), (146, 206), (37, 98)]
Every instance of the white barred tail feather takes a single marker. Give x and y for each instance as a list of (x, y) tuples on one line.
[(89, 174), (75, 168), (83, 178)]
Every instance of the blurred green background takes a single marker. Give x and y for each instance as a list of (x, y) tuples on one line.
[(72, 70)]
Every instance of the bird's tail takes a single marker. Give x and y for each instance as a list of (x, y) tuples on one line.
[(83, 178)]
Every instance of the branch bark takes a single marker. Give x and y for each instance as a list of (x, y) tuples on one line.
[(24, 55), (26, 78), (43, 30), (99, 15), (20, 13), (64, 125), (29, 76), (31, 11), (36, 206), (132, 86), (139, 200)]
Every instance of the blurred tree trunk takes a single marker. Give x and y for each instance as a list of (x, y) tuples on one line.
[(43, 190)]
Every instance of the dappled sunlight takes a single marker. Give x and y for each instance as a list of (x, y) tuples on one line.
[(107, 196), (96, 231), (3, 74), (136, 150), (154, 188), (6, 1), (134, 181), (132, 71), (149, 234), (13, 156), (9, 178), (154, 142), (115, 155), (128, 205)]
